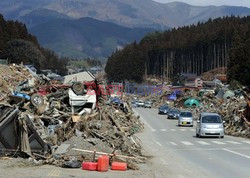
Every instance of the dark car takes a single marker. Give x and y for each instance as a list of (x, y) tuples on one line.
[(116, 101), (163, 109), (173, 114)]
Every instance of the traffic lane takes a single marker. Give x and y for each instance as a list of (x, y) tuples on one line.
[(168, 163), (204, 157), (219, 161), (155, 120), (168, 133), (162, 119)]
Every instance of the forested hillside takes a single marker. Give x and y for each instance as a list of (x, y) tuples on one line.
[(17, 45), (223, 42)]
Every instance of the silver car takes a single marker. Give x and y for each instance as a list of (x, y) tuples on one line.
[(210, 124), (148, 104), (140, 103), (185, 119)]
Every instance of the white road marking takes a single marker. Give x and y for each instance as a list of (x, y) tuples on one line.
[(163, 130), (182, 130), (163, 161), (246, 141), (54, 173), (203, 143), (192, 130), (218, 142), (173, 143), (208, 149), (187, 143), (152, 129), (173, 130), (233, 142), (158, 143), (234, 152)]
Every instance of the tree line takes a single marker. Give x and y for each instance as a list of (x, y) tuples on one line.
[(222, 42), (17, 45)]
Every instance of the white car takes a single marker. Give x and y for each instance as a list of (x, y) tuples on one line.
[(210, 124), (148, 104), (140, 103)]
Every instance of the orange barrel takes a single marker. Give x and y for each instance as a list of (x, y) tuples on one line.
[(119, 166), (103, 163), (90, 166)]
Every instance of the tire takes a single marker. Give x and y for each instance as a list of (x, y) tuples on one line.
[(37, 100), (197, 135), (221, 136), (78, 88)]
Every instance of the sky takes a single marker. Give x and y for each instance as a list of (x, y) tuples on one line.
[(245, 3)]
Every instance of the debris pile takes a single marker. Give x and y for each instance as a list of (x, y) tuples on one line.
[(209, 76), (51, 122), (232, 105), (232, 108), (10, 77)]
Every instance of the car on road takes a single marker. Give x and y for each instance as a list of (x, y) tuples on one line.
[(173, 114), (163, 109), (133, 104), (148, 104), (140, 103), (185, 119), (210, 124)]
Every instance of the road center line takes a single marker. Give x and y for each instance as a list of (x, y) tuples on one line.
[(234, 152), (203, 143), (158, 143), (218, 142), (187, 143), (233, 142), (163, 130), (246, 141), (207, 149)]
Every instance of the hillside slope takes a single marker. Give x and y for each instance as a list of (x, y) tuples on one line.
[(132, 13), (85, 37)]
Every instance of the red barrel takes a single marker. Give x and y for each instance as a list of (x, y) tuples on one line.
[(103, 163), (90, 166), (119, 166)]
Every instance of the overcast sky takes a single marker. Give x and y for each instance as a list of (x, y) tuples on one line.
[(245, 3)]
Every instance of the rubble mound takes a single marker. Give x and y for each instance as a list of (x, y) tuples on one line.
[(10, 77), (53, 130)]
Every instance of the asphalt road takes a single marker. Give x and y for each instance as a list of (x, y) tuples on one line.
[(180, 154)]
